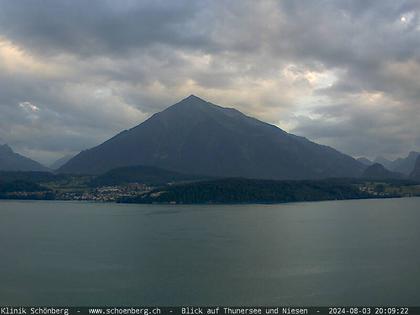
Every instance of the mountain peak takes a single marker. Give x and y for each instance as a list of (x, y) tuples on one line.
[(193, 97), (197, 111), (193, 107), (191, 101)]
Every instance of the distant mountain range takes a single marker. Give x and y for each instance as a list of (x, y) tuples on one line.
[(403, 165), (200, 138), (60, 162), (11, 161)]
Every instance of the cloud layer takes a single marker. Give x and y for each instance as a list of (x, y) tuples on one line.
[(342, 73)]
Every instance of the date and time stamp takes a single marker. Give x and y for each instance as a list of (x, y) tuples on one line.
[(369, 311)]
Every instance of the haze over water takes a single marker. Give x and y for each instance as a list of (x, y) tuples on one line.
[(363, 252)]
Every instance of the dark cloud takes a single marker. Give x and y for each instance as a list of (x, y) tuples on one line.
[(344, 73), (98, 27)]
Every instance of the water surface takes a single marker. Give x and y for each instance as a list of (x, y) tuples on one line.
[(318, 253)]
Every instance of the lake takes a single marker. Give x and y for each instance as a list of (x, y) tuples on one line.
[(355, 252)]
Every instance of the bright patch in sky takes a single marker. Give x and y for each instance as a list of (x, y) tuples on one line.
[(28, 106), (407, 18)]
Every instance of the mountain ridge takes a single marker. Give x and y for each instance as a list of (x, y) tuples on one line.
[(402, 165), (12, 161), (365, 161), (405, 165), (377, 171)]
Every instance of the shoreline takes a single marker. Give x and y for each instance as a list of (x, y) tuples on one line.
[(202, 204)]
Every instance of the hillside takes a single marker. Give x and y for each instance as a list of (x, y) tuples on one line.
[(378, 171), (240, 190), (11, 161), (148, 175), (365, 161)]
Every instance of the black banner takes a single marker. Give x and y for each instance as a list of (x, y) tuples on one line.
[(209, 310)]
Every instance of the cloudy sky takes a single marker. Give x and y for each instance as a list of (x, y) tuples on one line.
[(342, 73)]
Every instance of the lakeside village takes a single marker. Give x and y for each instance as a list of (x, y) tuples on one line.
[(371, 189), (106, 193), (100, 194)]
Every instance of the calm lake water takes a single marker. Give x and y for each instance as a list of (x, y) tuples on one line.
[(319, 253)]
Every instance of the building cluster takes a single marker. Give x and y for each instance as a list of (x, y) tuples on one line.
[(105, 193), (380, 189)]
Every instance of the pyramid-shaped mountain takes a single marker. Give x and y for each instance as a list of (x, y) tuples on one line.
[(11, 161), (198, 137)]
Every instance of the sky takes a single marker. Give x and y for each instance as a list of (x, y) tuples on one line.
[(341, 73)]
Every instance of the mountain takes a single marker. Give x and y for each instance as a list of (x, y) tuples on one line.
[(378, 171), (141, 174), (415, 174), (383, 161), (60, 162), (401, 165), (405, 165), (198, 137), (365, 161), (11, 161)]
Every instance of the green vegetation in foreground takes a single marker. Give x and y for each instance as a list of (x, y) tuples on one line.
[(41, 185), (239, 190), (20, 189)]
